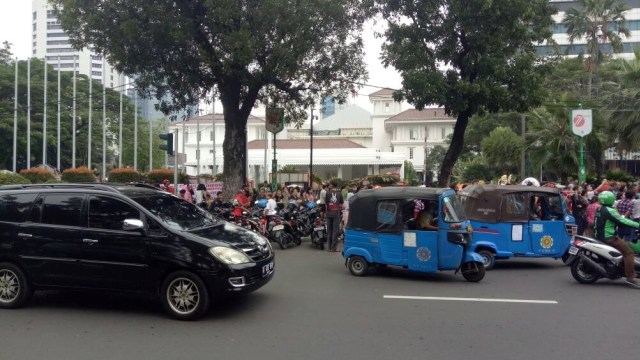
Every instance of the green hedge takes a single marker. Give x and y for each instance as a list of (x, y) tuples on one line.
[(10, 178), (124, 175), (156, 176), (78, 175), (37, 175)]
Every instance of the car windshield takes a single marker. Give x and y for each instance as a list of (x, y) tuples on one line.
[(452, 209), (177, 213)]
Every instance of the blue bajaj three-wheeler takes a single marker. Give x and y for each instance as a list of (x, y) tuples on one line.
[(517, 220), (421, 229)]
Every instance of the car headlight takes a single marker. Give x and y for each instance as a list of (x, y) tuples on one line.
[(229, 255)]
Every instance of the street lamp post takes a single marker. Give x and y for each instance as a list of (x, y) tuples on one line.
[(598, 36)]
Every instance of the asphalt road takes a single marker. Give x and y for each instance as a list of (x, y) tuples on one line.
[(315, 309)]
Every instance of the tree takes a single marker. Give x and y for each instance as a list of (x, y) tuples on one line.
[(5, 52), (481, 125), (280, 52), (410, 175), (597, 20), (7, 88), (471, 57), (435, 156), (502, 149), (622, 98)]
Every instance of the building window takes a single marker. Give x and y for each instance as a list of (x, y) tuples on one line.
[(443, 132), (58, 35), (63, 50), (58, 42), (211, 136), (199, 136), (96, 73), (410, 153), (96, 66), (34, 36), (96, 57), (34, 26), (387, 107), (186, 137), (35, 15), (53, 26), (412, 134)]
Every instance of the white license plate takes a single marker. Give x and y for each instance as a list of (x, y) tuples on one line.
[(319, 228), (267, 269), (573, 250), (278, 227)]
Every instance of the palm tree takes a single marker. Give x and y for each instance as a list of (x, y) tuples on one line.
[(622, 99), (597, 20)]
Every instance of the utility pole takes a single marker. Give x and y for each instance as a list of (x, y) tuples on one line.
[(311, 152)]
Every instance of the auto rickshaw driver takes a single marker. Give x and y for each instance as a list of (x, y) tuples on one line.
[(425, 217)]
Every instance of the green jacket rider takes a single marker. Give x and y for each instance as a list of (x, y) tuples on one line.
[(605, 229)]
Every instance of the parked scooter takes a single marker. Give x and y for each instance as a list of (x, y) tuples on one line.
[(319, 233), (591, 260)]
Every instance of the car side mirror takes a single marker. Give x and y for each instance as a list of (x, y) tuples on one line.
[(132, 225)]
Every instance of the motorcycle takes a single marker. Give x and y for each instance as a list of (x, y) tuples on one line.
[(319, 234), (591, 260)]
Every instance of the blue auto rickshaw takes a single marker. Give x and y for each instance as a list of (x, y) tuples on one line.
[(383, 230), (517, 220)]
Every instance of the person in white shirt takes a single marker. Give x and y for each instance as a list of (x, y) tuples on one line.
[(272, 207)]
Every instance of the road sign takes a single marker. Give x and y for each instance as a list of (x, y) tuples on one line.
[(581, 122), (274, 120)]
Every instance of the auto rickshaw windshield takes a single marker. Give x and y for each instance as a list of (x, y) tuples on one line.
[(452, 209)]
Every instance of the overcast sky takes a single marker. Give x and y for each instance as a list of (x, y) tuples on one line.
[(15, 27)]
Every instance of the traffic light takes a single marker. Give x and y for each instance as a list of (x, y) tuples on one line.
[(168, 147)]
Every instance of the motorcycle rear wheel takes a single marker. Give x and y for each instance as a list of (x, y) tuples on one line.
[(281, 241), (582, 274)]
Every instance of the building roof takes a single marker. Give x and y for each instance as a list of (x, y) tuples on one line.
[(351, 117), (421, 115), (304, 144), (208, 118), (383, 92)]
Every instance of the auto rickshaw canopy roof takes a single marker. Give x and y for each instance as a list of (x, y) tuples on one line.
[(485, 202)]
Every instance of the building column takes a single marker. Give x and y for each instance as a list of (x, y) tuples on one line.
[(376, 169)]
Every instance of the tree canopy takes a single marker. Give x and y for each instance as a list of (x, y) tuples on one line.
[(7, 88), (470, 57), (282, 52)]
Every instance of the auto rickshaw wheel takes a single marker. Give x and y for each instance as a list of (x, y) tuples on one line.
[(357, 265), (488, 259), (473, 271)]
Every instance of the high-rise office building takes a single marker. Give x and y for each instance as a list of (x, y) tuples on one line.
[(579, 46), (51, 42)]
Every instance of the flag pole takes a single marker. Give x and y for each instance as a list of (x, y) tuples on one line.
[(90, 111), (44, 115), (120, 125), (58, 131), (29, 113), (73, 115), (15, 121), (104, 119)]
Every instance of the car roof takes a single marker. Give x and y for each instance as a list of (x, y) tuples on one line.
[(129, 190)]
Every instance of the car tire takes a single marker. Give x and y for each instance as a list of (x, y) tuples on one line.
[(184, 296), (488, 259), (357, 265), (15, 289)]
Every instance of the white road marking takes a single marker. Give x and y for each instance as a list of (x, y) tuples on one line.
[(436, 298)]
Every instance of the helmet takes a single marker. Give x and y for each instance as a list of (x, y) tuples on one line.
[(236, 202), (606, 198)]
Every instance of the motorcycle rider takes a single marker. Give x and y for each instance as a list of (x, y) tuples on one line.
[(606, 222)]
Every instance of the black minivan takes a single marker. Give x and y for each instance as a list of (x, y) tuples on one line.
[(125, 238)]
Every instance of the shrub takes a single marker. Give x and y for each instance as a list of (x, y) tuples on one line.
[(618, 175), (37, 175), (78, 175), (124, 175), (156, 176), (11, 178)]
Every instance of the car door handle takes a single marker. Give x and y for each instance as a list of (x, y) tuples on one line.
[(89, 241), (23, 235)]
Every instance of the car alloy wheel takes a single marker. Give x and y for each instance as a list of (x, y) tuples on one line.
[(9, 286), (185, 295)]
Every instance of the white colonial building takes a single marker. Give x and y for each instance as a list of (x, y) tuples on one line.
[(349, 144)]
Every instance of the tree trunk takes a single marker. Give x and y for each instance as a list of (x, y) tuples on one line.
[(455, 149), (234, 150)]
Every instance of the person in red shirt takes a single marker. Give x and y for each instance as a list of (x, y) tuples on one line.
[(241, 203)]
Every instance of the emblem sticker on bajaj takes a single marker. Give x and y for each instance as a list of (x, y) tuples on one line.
[(423, 254), (546, 242)]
